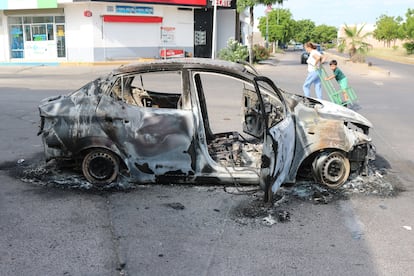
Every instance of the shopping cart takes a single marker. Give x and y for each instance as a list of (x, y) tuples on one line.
[(338, 96)]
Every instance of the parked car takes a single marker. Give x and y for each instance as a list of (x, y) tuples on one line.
[(298, 46), (167, 121), (304, 56)]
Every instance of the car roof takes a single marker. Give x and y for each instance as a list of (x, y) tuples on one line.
[(189, 63)]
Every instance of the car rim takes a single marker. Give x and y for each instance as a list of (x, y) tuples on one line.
[(331, 169), (100, 167)]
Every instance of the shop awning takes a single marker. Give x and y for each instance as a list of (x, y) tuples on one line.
[(132, 19)]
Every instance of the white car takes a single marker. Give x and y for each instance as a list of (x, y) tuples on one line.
[(298, 46)]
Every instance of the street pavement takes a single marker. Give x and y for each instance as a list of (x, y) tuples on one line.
[(202, 230)]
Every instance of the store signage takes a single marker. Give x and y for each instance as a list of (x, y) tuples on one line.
[(167, 35), (222, 3), (134, 10), (132, 19), (166, 2), (87, 13), (171, 53)]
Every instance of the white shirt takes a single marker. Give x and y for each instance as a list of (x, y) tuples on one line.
[(311, 60)]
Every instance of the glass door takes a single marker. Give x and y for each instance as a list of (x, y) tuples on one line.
[(60, 37), (16, 41)]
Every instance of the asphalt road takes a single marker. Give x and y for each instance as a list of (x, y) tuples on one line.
[(59, 229)]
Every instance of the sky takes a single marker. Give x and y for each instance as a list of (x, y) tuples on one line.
[(336, 12)]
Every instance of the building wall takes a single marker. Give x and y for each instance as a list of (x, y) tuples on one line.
[(80, 32), (226, 27), (3, 38), (89, 38), (92, 39), (183, 22)]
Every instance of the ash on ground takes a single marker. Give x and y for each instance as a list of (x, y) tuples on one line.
[(376, 183), (255, 211), (55, 174)]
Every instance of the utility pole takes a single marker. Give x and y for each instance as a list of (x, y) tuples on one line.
[(267, 10), (213, 43)]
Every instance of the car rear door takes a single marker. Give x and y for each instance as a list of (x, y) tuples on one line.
[(150, 124)]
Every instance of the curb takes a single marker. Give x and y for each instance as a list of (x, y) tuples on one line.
[(79, 63)]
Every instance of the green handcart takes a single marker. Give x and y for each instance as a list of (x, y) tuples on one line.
[(336, 96)]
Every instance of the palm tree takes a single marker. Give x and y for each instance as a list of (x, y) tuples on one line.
[(354, 41)]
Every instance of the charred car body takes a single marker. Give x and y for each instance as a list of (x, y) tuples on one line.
[(156, 122)]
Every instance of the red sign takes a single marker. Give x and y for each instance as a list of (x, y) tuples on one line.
[(166, 2), (170, 53), (132, 19)]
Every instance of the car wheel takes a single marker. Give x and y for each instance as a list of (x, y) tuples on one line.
[(100, 167), (331, 169)]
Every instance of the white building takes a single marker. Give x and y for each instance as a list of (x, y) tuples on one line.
[(90, 30)]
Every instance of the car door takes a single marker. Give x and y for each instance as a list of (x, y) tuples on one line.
[(266, 116), (150, 124)]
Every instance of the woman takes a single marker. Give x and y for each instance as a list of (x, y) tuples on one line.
[(314, 62)]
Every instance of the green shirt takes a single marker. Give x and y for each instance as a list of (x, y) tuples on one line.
[(338, 74)]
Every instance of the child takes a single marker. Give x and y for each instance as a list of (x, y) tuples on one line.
[(340, 78)]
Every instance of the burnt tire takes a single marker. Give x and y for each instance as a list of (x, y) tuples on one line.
[(331, 169), (100, 167)]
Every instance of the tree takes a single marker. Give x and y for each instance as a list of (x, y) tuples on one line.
[(408, 29), (302, 30), (324, 34), (354, 41), (408, 25), (244, 4), (388, 29), (280, 25)]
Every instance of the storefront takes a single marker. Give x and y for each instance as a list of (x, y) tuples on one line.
[(37, 37), (89, 30)]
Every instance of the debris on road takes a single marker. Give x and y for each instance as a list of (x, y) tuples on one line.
[(251, 210), (269, 220), (175, 205)]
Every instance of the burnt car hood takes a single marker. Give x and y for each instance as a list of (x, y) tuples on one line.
[(327, 109)]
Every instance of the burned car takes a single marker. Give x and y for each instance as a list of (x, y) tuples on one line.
[(202, 121)]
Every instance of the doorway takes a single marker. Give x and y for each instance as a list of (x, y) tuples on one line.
[(203, 31)]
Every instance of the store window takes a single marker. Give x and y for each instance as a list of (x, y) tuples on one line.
[(34, 36)]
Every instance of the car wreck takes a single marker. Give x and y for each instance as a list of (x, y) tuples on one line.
[(170, 121)]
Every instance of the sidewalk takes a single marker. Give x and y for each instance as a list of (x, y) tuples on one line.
[(70, 63)]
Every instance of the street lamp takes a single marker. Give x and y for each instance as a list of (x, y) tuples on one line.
[(267, 10)]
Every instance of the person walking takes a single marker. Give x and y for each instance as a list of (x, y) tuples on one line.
[(340, 78), (314, 62)]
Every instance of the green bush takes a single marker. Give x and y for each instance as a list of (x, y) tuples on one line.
[(409, 47), (260, 53), (234, 51)]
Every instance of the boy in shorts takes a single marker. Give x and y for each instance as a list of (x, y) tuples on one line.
[(340, 78)]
